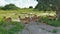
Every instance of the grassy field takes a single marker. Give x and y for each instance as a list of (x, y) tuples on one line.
[(10, 27), (22, 12), (14, 27), (55, 23)]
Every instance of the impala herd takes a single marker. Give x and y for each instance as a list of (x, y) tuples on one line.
[(28, 19)]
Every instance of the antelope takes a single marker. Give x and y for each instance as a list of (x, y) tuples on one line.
[(35, 18), (25, 20), (8, 19), (52, 17)]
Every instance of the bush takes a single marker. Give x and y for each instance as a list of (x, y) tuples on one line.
[(54, 30), (12, 27), (31, 7), (55, 23), (10, 7)]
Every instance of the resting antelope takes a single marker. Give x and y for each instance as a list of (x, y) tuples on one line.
[(52, 17), (9, 19), (24, 20), (35, 18)]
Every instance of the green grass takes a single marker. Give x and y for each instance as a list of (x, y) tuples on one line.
[(54, 31), (14, 27), (10, 27), (15, 13), (55, 23)]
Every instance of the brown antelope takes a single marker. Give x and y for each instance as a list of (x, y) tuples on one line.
[(43, 22), (35, 18), (52, 17), (24, 20), (8, 19)]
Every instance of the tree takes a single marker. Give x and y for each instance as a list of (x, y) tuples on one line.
[(9, 7), (30, 7), (50, 5), (1, 7)]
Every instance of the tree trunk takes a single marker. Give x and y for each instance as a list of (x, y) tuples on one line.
[(58, 12)]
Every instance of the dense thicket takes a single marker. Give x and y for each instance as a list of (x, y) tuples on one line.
[(9, 7), (46, 5)]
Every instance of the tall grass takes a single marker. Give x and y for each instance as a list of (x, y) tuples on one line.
[(10, 27), (55, 23)]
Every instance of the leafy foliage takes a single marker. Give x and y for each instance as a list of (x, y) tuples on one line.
[(1, 7), (10, 28), (55, 23), (54, 30), (48, 4), (9, 7), (30, 7)]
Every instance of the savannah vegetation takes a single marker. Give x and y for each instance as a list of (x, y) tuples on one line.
[(43, 9)]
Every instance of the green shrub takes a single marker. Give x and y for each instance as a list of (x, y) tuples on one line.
[(55, 23), (54, 31), (16, 26)]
